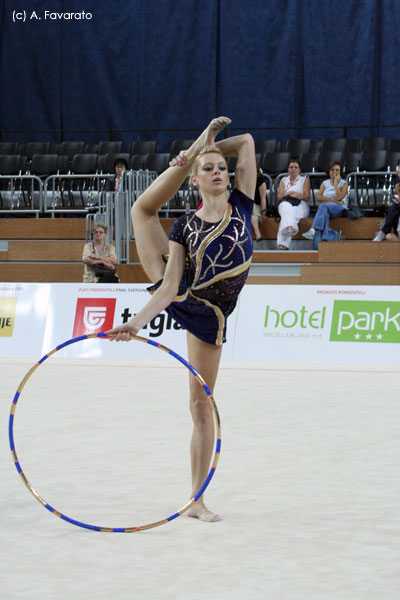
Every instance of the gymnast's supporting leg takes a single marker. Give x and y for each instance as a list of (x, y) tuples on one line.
[(205, 359), (151, 239)]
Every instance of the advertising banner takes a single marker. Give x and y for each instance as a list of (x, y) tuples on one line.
[(319, 324), (76, 309), (23, 314)]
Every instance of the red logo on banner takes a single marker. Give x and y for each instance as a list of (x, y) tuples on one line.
[(93, 315)]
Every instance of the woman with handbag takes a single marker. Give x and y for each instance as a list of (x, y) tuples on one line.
[(293, 197), (99, 258), (209, 256)]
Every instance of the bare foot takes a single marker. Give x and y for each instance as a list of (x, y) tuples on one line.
[(215, 127), (207, 137), (203, 514)]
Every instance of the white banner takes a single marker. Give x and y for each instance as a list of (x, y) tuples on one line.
[(77, 309), (318, 324), (321, 324), (23, 314)]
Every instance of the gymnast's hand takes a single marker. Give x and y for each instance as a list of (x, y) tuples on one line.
[(179, 161), (122, 333)]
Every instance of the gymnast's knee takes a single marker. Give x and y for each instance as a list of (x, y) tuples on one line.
[(140, 211), (200, 408)]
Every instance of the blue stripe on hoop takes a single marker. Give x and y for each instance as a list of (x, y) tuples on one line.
[(16, 398), (207, 389), (119, 529), (42, 359), (10, 432), (80, 524), (171, 517), (152, 343), (101, 334), (205, 484), (72, 341), (218, 446), (18, 466), (184, 362)]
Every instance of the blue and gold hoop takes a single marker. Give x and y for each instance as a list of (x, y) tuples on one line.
[(117, 529)]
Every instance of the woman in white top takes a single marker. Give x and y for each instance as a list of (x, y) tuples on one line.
[(293, 197)]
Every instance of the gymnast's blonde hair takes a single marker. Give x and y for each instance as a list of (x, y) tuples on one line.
[(206, 150)]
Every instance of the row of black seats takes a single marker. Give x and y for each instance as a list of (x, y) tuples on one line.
[(44, 165), (272, 163), (295, 146), (71, 148), (367, 160), (298, 146), (138, 147)]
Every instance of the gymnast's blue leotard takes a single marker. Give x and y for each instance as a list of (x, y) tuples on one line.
[(217, 264)]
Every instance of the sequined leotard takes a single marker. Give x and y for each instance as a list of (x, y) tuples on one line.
[(217, 265)]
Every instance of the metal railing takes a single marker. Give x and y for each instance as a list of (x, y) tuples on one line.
[(114, 208), (21, 194), (72, 193), (367, 185)]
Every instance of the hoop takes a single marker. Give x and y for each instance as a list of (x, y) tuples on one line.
[(117, 529)]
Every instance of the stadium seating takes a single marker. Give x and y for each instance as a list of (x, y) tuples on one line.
[(264, 146), (108, 164), (364, 155), (143, 147), (334, 144), (179, 145)]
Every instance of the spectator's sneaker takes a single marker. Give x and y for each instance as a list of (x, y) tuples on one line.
[(380, 236), (309, 235)]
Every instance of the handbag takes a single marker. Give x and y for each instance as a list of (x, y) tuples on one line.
[(100, 270), (105, 275), (354, 212), (291, 200)]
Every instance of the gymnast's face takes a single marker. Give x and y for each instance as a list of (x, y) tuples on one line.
[(212, 175)]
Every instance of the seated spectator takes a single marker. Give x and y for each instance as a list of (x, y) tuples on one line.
[(331, 198), (392, 221), (260, 205), (113, 183), (99, 258), (293, 197)]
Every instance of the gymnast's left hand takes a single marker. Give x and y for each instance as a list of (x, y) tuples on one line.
[(180, 160), (122, 333)]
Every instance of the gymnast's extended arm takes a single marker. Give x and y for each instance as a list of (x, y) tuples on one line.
[(242, 146), (161, 298)]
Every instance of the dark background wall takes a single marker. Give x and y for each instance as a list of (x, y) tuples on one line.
[(145, 65)]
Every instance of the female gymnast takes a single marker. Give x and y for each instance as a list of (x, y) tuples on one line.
[(209, 255)]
